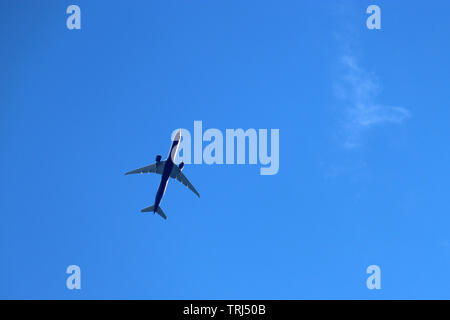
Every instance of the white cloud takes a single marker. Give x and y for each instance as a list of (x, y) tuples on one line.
[(358, 89)]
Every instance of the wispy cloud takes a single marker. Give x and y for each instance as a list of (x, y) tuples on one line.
[(358, 91)]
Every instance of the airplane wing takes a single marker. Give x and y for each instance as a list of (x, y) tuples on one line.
[(177, 174), (157, 167)]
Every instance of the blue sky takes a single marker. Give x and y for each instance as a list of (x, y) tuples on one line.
[(364, 149)]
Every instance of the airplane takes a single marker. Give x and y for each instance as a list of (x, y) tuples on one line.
[(167, 169)]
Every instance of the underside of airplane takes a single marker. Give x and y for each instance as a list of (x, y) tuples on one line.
[(167, 169)]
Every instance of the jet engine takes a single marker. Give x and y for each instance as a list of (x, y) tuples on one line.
[(158, 158), (181, 166)]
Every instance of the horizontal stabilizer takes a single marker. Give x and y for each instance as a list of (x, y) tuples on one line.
[(152, 209)]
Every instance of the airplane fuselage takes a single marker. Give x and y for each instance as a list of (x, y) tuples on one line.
[(166, 172), (167, 169)]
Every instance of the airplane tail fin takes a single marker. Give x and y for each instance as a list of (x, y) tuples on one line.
[(152, 209)]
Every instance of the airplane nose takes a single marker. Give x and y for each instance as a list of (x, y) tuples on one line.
[(177, 136)]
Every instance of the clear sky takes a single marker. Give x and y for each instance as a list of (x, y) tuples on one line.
[(364, 149)]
